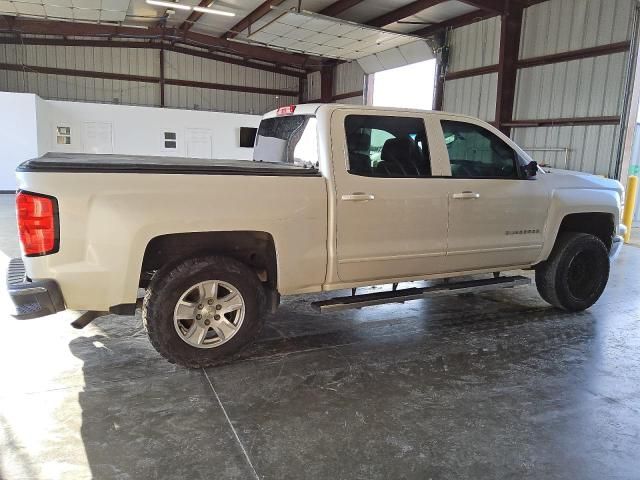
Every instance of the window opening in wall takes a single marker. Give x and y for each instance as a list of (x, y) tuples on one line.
[(170, 140), (247, 136), (410, 86), (63, 136)]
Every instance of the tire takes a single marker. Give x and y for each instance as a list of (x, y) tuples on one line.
[(197, 287), (576, 272)]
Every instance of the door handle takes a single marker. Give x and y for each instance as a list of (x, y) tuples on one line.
[(358, 197), (466, 195)]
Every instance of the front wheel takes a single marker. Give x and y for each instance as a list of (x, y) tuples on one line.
[(576, 273), (203, 311)]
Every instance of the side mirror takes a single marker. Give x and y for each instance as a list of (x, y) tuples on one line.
[(530, 169)]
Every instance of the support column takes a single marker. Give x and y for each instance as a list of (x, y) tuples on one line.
[(302, 85), (442, 59), (326, 83), (507, 65), (162, 77)]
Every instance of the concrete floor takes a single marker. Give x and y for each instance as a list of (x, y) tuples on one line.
[(490, 385)]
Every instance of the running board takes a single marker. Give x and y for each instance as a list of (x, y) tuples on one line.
[(404, 295)]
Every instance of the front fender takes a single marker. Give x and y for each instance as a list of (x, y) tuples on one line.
[(576, 200)]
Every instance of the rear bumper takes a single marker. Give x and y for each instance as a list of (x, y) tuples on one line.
[(32, 299), (616, 247)]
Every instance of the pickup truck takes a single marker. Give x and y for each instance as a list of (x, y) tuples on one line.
[(336, 197)]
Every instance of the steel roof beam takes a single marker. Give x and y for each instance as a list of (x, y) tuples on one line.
[(49, 27)]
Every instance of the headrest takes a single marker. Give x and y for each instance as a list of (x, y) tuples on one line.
[(400, 150), (358, 141)]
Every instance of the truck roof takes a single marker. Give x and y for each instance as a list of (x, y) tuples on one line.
[(312, 109)]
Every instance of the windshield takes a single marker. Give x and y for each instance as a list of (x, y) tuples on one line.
[(291, 139)]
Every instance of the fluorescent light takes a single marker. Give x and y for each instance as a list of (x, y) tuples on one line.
[(214, 11), (160, 3)]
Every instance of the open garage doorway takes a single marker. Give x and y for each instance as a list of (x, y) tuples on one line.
[(409, 86)]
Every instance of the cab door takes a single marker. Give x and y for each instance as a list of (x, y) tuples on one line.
[(391, 214), (496, 215)]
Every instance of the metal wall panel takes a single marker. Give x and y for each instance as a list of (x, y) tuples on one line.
[(475, 96), (59, 87), (475, 45), (589, 87), (352, 100), (564, 25), (136, 61), (188, 67), (312, 89), (591, 148), (349, 77), (223, 101)]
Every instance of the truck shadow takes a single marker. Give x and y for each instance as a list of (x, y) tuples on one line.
[(138, 415)]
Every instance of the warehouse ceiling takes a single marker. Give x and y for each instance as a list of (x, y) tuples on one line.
[(142, 13), (219, 25)]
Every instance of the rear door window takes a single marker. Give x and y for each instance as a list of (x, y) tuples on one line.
[(387, 146)]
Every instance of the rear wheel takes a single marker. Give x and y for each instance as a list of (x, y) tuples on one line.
[(203, 311), (576, 273)]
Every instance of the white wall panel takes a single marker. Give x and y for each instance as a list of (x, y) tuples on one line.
[(474, 96), (475, 45), (28, 129), (563, 25)]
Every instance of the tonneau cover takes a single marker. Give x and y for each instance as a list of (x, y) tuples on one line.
[(94, 163)]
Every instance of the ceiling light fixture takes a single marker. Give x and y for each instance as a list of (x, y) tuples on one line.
[(130, 25), (161, 3), (214, 11)]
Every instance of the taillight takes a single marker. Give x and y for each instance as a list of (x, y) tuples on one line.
[(37, 223)]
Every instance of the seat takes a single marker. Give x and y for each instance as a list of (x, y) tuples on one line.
[(401, 157)]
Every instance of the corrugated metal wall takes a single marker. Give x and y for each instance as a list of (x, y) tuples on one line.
[(348, 77), (474, 96), (473, 46), (589, 87), (187, 67), (132, 61), (585, 148), (564, 25), (312, 88), (138, 61)]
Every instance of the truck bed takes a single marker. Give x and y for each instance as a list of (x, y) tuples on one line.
[(109, 163)]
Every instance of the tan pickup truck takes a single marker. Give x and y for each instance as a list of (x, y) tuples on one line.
[(337, 197)]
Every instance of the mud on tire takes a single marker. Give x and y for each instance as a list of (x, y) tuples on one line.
[(169, 285), (576, 273)]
